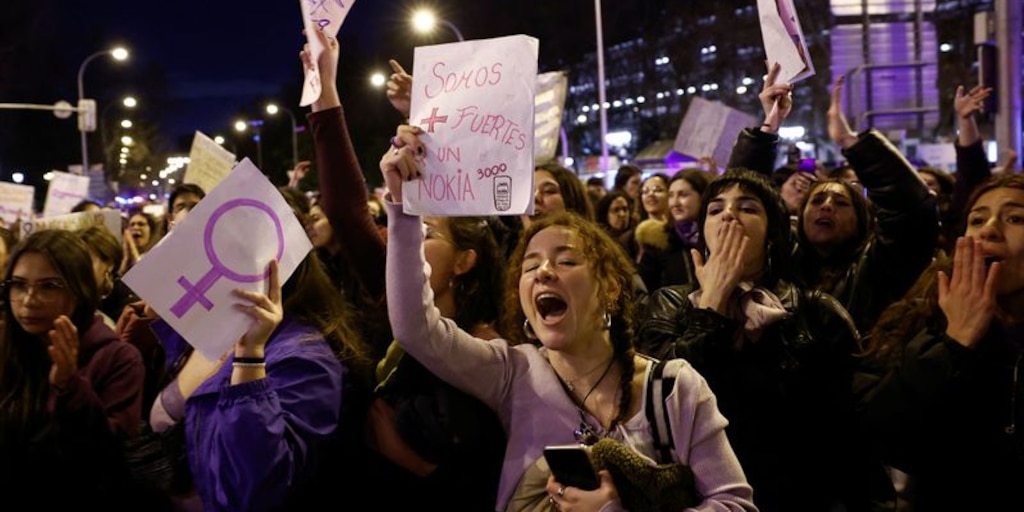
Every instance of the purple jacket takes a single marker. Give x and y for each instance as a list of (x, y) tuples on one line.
[(249, 445)]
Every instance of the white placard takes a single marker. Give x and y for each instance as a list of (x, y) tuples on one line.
[(784, 40), (16, 202), (475, 102), (224, 243), (110, 219), (550, 104), (208, 162), (709, 128), (326, 15), (64, 192)]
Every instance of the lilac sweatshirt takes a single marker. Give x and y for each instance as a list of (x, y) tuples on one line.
[(522, 387)]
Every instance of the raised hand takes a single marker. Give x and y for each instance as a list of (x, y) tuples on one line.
[(403, 161), (966, 105), (266, 312), (838, 129), (968, 297), (327, 63), (400, 88), (63, 352), (720, 275), (776, 100)]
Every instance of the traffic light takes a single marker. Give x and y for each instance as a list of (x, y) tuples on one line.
[(87, 115)]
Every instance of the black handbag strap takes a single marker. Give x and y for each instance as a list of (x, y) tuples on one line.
[(661, 382)]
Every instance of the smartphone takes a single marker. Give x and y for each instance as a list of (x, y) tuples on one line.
[(807, 165), (571, 466)]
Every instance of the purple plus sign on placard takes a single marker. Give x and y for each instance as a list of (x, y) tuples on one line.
[(197, 292)]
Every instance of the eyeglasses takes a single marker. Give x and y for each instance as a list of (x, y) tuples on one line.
[(653, 190), (432, 233), (48, 290)]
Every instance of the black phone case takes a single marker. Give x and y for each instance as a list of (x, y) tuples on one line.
[(571, 467)]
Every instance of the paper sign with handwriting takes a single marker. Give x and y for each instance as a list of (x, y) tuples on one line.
[(709, 128), (550, 104), (475, 102), (110, 219), (224, 243), (65, 191), (16, 202), (326, 15), (784, 41), (208, 162)]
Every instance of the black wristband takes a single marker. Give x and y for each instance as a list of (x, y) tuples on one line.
[(250, 360)]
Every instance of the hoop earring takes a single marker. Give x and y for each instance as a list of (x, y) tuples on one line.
[(607, 320), (528, 330)]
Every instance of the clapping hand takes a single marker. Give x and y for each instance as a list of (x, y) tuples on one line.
[(63, 352)]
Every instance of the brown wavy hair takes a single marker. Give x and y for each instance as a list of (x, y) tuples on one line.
[(611, 269)]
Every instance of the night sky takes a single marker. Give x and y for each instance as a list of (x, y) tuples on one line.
[(199, 65)]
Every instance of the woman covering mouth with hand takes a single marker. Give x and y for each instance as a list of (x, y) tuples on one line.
[(948, 364), (577, 379)]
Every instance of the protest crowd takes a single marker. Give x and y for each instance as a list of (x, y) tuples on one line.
[(750, 337)]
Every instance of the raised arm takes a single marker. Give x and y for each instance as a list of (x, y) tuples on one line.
[(756, 148), (971, 164), (343, 189)]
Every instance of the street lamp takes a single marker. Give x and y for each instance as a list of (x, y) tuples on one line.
[(378, 79), (424, 21), (119, 54), (128, 102), (603, 114), (241, 126), (273, 109)]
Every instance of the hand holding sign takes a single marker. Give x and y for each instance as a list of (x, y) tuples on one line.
[(240, 225), (403, 161), (784, 41), (776, 100), (266, 311), (326, 65), (317, 16)]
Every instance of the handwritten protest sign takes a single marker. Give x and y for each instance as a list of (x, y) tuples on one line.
[(240, 226), (208, 162), (784, 40), (326, 15), (475, 103), (710, 129), (550, 104), (65, 191), (110, 219), (16, 201)]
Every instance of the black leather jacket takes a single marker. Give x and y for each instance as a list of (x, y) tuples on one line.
[(898, 248), (788, 396)]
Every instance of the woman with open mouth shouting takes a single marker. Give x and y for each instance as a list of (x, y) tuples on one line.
[(577, 379)]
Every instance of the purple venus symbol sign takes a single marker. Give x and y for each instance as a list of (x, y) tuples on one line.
[(196, 292)]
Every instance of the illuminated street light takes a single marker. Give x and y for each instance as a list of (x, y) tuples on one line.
[(273, 109), (378, 79), (119, 54), (126, 123), (219, 140), (127, 140), (240, 126), (424, 22), (129, 102)]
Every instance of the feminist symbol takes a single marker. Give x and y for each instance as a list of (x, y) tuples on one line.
[(196, 292)]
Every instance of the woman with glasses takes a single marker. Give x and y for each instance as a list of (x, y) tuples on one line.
[(654, 198), (567, 289), (70, 393), (665, 259)]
